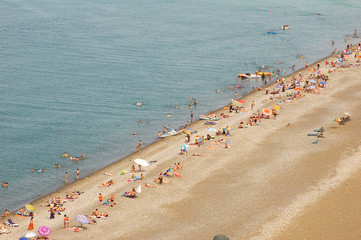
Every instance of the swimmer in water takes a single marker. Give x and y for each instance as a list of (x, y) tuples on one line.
[(82, 156), (134, 133), (217, 90), (56, 165)]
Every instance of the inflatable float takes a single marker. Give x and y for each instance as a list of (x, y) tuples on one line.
[(171, 133), (271, 32)]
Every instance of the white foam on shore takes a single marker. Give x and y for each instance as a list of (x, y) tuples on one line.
[(345, 170)]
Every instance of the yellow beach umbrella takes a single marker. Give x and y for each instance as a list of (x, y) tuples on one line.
[(29, 207), (276, 107)]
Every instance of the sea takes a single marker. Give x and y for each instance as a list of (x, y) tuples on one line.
[(71, 73)]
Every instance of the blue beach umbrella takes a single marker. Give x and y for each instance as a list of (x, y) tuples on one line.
[(212, 130), (24, 238), (312, 81), (311, 87), (185, 147), (323, 82)]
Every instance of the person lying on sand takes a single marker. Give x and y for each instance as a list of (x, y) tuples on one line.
[(107, 184), (197, 154), (149, 185), (131, 194), (6, 213), (157, 180), (106, 173)]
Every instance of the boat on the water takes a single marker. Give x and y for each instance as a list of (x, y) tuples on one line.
[(285, 27)]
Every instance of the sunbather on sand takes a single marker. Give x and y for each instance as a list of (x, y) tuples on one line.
[(197, 154), (131, 194), (149, 185), (106, 173), (6, 213)]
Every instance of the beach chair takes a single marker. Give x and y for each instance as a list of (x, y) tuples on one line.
[(315, 142), (11, 223), (312, 134), (321, 129)]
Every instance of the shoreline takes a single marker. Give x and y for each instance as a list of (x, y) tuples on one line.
[(217, 110), (156, 151)]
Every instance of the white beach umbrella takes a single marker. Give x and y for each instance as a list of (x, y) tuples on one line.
[(30, 234), (141, 162)]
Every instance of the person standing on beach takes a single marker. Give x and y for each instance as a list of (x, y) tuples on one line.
[(160, 178), (306, 65), (31, 224), (66, 221), (77, 173), (236, 95), (158, 138), (66, 177), (252, 105), (139, 145), (191, 116), (333, 43), (100, 198)]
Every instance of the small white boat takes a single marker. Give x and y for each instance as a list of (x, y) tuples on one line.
[(171, 133), (285, 27)]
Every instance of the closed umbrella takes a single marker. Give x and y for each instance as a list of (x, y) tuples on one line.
[(141, 162), (44, 231)]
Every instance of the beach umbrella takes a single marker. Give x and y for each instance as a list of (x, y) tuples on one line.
[(279, 86), (266, 111), (185, 147), (311, 87), (236, 103), (276, 107), (141, 162), (347, 114), (312, 81), (44, 231), (82, 219), (212, 130), (240, 101), (228, 142), (297, 89), (200, 139), (30, 234), (29, 207), (24, 238), (323, 82)]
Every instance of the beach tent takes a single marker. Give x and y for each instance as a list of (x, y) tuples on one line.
[(220, 237)]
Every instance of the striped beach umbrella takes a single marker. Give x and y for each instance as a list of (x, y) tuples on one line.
[(29, 207)]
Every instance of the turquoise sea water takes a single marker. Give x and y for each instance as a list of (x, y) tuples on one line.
[(80, 67)]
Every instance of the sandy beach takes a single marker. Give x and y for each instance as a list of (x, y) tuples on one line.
[(271, 182)]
